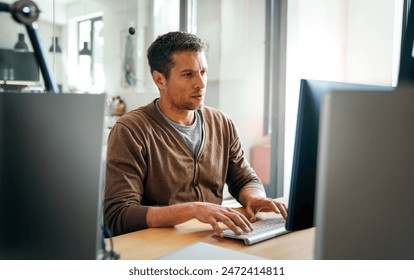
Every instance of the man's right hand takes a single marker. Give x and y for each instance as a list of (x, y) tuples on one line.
[(205, 212), (213, 214)]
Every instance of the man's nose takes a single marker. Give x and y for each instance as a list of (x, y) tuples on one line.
[(201, 81)]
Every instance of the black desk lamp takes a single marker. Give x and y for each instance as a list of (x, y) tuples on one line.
[(26, 12)]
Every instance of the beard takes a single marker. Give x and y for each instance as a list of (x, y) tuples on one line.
[(189, 103), (189, 106)]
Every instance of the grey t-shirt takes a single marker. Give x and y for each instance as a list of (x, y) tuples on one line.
[(192, 135)]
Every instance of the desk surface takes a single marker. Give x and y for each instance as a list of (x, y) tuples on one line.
[(155, 242)]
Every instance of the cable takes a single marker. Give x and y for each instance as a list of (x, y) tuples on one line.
[(111, 254)]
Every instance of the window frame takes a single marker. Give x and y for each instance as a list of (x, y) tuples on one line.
[(275, 90)]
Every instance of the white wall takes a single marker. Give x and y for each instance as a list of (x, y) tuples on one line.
[(340, 40), (151, 19), (209, 28), (374, 35), (242, 68), (315, 50)]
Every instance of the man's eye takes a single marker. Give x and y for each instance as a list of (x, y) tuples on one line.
[(188, 74)]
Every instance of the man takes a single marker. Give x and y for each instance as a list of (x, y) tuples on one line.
[(168, 161)]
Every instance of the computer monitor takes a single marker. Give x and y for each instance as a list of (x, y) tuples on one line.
[(406, 71), (365, 177), (302, 188), (18, 69), (50, 175)]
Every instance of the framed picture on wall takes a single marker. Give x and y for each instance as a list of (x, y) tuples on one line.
[(133, 59), (128, 60)]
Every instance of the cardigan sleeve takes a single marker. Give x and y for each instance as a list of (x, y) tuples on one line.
[(240, 174), (124, 190)]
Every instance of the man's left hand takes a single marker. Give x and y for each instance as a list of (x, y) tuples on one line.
[(264, 204)]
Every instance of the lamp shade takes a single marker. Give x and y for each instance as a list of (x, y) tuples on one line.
[(55, 46), (85, 50), (21, 44)]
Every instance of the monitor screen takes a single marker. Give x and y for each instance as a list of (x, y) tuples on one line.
[(18, 66), (302, 189)]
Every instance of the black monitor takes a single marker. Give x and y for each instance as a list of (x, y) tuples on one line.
[(302, 188), (50, 175), (406, 73), (18, 68)]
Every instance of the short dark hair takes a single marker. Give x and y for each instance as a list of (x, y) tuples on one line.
[(160, 52)]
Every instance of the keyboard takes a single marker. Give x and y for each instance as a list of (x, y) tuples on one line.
[(263, 230)]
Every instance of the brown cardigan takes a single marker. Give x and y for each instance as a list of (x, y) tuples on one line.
[(148, 163)]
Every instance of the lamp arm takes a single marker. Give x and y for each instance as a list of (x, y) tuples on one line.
[(26, 12), (40, 56), (4, 7)]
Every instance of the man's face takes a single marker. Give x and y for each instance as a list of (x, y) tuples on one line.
[(186, 85)]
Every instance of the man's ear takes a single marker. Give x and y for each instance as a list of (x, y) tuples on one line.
[(159, 79)]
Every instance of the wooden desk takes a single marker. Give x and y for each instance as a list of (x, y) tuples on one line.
[(154, 242)]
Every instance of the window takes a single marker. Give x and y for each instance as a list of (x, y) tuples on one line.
[(90, 56)]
